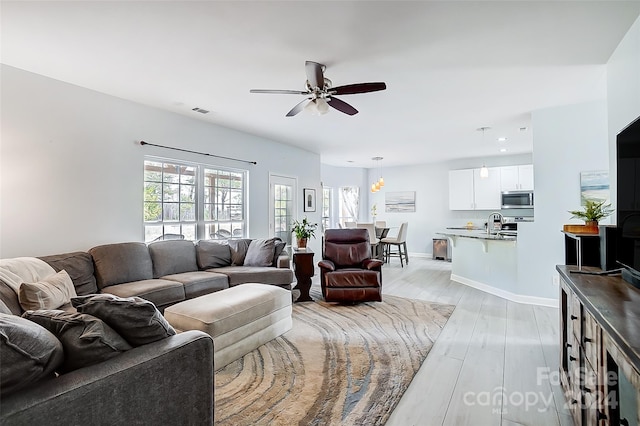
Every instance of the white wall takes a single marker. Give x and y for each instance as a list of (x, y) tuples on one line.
[(71, 169), (623, 92), (566, 141)]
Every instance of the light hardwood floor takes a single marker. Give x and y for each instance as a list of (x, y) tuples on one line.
[(495, 362)]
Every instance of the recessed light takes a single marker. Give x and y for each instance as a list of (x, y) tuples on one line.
[(502, 139), (200, 110), (503, 149)]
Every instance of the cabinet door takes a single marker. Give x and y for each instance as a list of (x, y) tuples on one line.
[(461, 189), (487, 190), (509, 178), (525, 177)]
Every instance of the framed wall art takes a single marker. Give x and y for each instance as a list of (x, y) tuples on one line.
[(309, 196), (404, 201)]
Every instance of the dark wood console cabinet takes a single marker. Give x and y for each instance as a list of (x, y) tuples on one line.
[(600, 348)]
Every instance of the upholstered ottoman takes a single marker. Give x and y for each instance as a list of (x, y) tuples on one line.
[(239, 319)]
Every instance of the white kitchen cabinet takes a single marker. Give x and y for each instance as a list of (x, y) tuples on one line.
[(468, 191), (487, 190), (461, 189), (516, 178)]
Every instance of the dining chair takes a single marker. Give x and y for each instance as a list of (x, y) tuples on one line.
[(373, 239), (400, 242), (350, 224), (381, 223)]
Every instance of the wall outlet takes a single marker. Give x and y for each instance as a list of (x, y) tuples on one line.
[(555, 281)]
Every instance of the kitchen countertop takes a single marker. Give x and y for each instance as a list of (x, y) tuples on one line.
[(477, 233)]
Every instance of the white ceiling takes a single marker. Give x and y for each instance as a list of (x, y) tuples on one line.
[(450, 66)]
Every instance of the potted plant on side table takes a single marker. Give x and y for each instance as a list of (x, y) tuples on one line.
[(303, 230), (592, 212)]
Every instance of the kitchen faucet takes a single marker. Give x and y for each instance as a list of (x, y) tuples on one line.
[(492, 220)]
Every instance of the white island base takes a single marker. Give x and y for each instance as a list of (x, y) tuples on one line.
[(488, 263)]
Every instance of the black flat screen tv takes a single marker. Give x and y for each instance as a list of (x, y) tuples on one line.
[(628, 202)]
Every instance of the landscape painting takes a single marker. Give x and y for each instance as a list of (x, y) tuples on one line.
[(404, 201), (594, 186)]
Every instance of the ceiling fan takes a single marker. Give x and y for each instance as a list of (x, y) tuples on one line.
[(320, 95)]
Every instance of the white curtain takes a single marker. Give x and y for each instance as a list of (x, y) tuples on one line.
[(349, 202)]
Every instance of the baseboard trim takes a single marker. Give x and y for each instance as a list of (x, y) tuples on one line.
[(518, 298)]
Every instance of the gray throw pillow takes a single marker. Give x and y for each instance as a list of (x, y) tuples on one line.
[(260, 252), (280, 245), (4, 309), (28, 351), (212, 254), (238, 250), (134, 318), (86, 339)]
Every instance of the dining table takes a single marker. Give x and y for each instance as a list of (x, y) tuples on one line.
[(380, 234)]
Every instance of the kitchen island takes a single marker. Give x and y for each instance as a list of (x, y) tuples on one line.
[(486, 262)]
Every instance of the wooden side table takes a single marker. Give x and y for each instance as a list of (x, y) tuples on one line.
[(303, 268)]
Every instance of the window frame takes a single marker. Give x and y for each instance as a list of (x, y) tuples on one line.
[(202, 224)]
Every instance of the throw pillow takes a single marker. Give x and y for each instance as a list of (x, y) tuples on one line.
[(86, 339), (260, 252), (28, 351), (238, 251), (50, 293), (134, 318), (280, 245), (212, 254)]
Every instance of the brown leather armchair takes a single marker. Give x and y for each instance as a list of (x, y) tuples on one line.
[(347, 272)]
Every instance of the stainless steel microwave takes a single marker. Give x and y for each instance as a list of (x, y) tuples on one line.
[(517, 199)]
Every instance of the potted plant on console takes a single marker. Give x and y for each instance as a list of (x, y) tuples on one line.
[(303, 230), (592, 212)]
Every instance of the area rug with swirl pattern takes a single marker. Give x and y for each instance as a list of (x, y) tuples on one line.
[(338, 365)]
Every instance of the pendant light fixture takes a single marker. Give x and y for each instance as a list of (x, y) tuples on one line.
[(379, 183), (484, 171)]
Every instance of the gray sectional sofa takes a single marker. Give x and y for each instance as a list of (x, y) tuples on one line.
[(153, 383)]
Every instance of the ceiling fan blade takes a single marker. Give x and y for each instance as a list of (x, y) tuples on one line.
[(352, 89), (281, 92), (342, 106), (314, 74), (296, 109)]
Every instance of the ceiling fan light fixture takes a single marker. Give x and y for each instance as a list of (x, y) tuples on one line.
[(322, 105)]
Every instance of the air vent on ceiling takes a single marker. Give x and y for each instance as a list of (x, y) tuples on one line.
[(200, 110)]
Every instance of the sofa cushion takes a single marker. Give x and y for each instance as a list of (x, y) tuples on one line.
[(86, 340), (28, 352), (4, 309), (260, 252), (279, 248), (172, 257), (79, 266), (121, 263), (212, 254), (238, 250), (10, 298), (257, 274), (134, 318), (199, 282), (160, 292), (50, 293)]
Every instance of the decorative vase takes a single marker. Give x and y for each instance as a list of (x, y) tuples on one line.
[(592, 226), (302, 243)]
